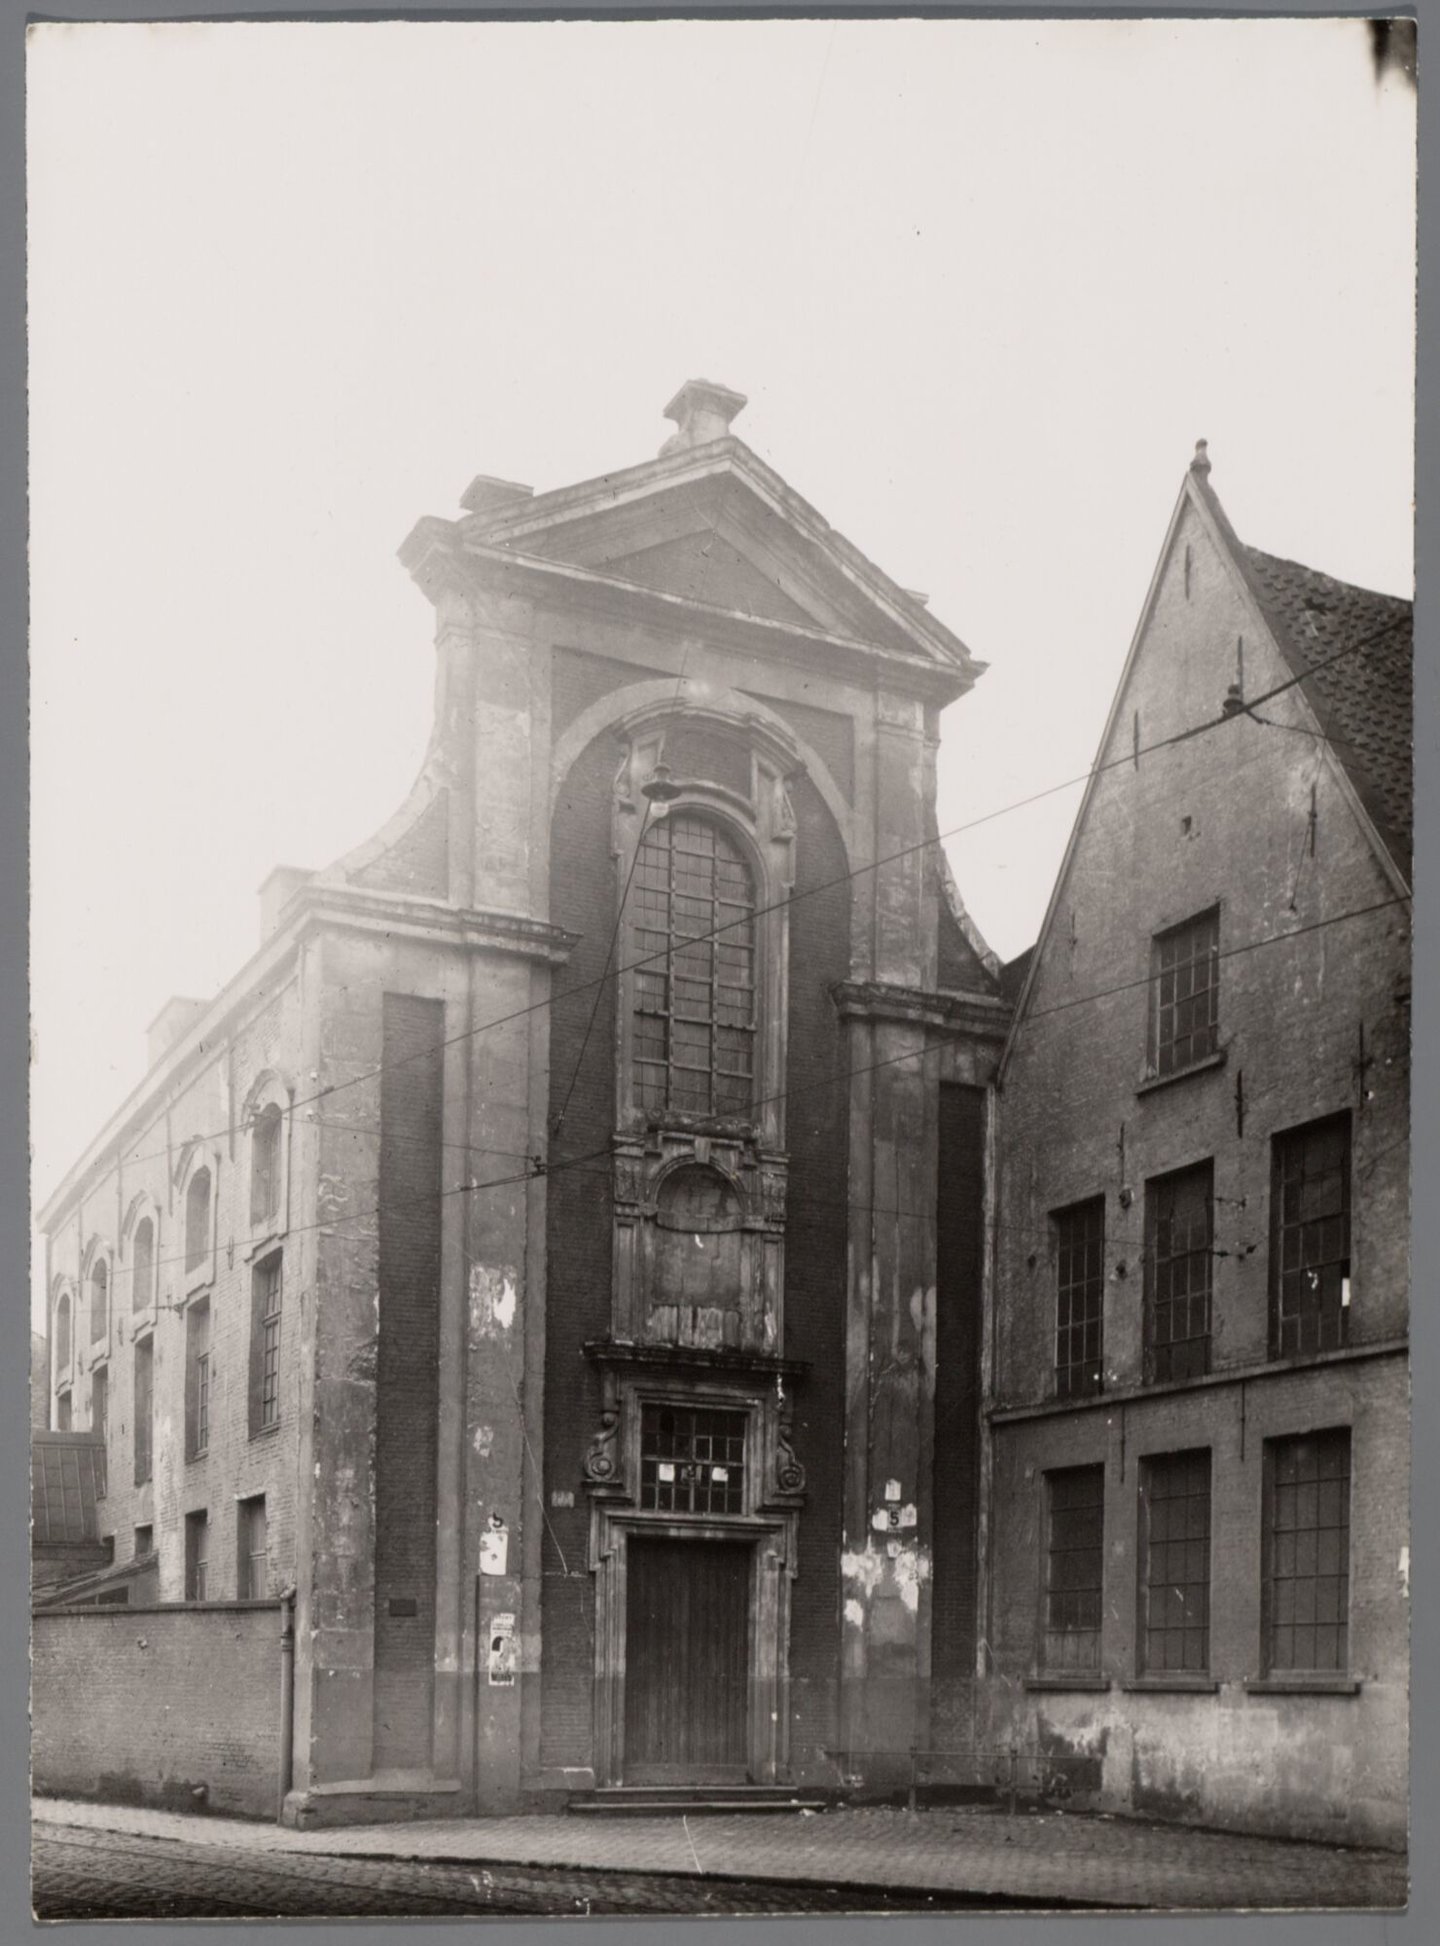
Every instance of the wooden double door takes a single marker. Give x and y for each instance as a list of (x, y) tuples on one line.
[(687, 1661)]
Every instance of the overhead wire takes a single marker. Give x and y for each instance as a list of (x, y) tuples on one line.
[(554, 999)]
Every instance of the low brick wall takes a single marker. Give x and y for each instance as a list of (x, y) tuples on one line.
[(176, 1706)]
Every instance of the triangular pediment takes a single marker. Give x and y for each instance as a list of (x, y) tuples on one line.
[(706, 566), (714, 525)]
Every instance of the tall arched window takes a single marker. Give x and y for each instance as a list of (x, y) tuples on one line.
[(694, 1025), (99, 1300), (197, 1220), (62, 1333), (265, 1166), (142, 1264)]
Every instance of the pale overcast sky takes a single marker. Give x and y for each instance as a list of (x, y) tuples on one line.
[(984, 284)]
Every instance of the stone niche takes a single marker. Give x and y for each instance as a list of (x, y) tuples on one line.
[(699, 1235)]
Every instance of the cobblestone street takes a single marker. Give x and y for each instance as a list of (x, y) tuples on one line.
[(95, 1874), (95, 1860)]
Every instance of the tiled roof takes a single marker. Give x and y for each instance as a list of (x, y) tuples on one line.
[(67, 1475), (1363, 697)]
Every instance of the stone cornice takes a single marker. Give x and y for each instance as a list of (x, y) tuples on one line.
[(723, 461), (1263, 1370), (470, 928), (317, 904), (437, 556), (620, 1353), (984, 1015)]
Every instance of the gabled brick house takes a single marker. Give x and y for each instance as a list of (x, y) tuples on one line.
[(1197, 1383)]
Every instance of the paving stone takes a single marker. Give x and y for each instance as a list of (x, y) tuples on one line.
[(1043, 1857)]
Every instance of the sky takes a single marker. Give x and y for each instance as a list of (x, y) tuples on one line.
[(984, 284)]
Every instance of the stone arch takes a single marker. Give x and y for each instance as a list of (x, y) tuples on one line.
[(726, 707)]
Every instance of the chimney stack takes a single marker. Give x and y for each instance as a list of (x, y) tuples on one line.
[(279, 887), (174, 1020)]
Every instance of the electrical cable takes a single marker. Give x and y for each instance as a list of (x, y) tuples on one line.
[(554, 999)]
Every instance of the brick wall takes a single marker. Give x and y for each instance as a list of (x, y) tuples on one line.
[(1257, 823), (407, 1379), (419, 859), (959, 1259), (206, 1106), (816, 1241), (579, 1252), (155, 1705), (1302, 1765), (578, 1243)]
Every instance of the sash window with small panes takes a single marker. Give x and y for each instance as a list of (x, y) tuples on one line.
[(692, 1459), (1310, 1250), (694, 1031)]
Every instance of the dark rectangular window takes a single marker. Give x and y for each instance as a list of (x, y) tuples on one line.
[(197, 1380), (100, 1419), (197, 1556), (1310, 1238), (144, 1406), (144, 1540), (1074, 1568), (1080, 1299), (1185, 994), (63, 1413), (1307, 1553), (252, 1575), (1178, 1257), (266, 1281), (692, 1459), (1175, 1542)]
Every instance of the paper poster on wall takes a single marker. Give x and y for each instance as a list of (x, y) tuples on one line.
[(503, 1651), (494, 1549)]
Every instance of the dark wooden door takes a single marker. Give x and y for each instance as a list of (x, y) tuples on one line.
[(687, 1661)]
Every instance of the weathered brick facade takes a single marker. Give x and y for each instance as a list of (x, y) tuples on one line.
[(606, 1163), (1261, 819), (506, 1262)]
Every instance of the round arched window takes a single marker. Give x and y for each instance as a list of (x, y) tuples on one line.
[(197, 1220), (99, 1300), (142, 1264), (695, 1011)]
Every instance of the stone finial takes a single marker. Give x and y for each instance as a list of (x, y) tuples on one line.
[(1201, 462), (702, 412)]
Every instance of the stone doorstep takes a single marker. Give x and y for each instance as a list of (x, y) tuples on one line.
[(388, 1797)]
